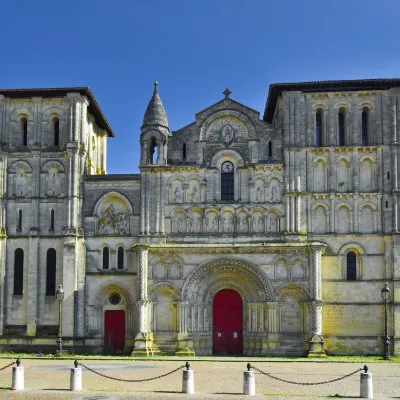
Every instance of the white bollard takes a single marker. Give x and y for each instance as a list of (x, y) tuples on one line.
[(18, 377), (366, 389), (249, 382), (188, 380), (76, 378)]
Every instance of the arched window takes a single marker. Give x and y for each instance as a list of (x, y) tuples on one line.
[(56, 130), (19, 224), (341, 126), (318, 128), (364, 126), (227, 181), (52, 220), (120, 258), (19, 272), (51, 272), (351, 260), (153, 151), (184, 152), (24, 129), (106, 258), (269, 149)]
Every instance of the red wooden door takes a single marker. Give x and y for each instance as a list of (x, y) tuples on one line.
[(227, 322), (114, 331)]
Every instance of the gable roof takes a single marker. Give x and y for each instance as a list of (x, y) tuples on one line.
[(93, 107), (276, 89)]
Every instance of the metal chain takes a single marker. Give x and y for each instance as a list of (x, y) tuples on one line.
[(307, 383), (9, 365), (131, 380)]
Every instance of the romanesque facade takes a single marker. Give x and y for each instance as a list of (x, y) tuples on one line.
[(240, 235)]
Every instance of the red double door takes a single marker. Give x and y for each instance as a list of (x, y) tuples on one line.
[(114, 331), (227, 322)]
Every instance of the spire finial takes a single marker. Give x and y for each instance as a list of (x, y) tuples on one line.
[(227, 93), (155, 87)]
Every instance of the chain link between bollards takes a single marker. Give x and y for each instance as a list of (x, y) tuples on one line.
[(132, 380), (8, 365), (305, 383)]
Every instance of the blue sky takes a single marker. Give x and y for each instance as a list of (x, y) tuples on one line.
[(195, 49)]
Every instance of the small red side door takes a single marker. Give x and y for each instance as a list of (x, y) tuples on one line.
[(227, 322), (114, 331)]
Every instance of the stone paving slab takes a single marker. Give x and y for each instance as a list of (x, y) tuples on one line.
[(49, 379)]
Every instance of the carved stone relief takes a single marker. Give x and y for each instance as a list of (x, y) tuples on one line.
[(113, 216)]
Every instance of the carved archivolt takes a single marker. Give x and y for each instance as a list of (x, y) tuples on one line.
[(17, 165), (298, 291), (52, 164), (241, 275), (164, 287), (100, 294)]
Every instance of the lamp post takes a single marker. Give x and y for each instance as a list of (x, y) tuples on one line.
[(385, 292), (60, 298)]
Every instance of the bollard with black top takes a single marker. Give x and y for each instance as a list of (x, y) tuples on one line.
[(76, 378), (366, 388), (188, 380), (249, 383), (18, 376)]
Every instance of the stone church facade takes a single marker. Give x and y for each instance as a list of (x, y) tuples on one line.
[(240, 235)]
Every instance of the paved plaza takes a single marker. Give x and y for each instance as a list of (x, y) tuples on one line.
[(49, 379)]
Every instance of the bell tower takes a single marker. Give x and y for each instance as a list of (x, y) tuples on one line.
[(155, 132)]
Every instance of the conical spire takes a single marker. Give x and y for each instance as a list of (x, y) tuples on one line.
[(155, 113)]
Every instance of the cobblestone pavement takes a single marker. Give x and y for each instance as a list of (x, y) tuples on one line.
[(49, 379)]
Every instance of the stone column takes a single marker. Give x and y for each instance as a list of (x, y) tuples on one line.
[(33, 258), (316, 341), (144, 340), (273, 329)]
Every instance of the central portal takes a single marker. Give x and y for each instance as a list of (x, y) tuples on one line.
[(227, 322)]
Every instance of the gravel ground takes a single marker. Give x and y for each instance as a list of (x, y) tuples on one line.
[(49, 379)]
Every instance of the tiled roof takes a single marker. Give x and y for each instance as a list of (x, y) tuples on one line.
[(94, 108), (276, 89), (155, 113)]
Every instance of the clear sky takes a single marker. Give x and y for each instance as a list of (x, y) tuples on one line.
[(195, 49)]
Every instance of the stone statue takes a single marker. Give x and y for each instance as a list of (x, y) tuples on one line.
[(179, 225), (211, 225), (274, 194), (243, 224), (260, 194), (228, 135), (177, 194), (193, 196), (261, 224), (271, 223)]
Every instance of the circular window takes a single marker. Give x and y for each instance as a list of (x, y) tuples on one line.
[(114, 299)]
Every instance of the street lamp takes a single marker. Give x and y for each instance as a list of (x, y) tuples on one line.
[(385, 292), (60, 298)]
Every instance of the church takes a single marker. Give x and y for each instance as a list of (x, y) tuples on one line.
[(244, 233)]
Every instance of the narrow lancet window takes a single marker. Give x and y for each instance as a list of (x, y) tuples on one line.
[(52, 220), (318, 128), (56, 127), (51, 272), (106, 258), (270, 149), (351, 259), (24, 128), (184, 152), (120, 258), (341, 127), (19, 224), (364, 126), (19, 272), (227, 181)]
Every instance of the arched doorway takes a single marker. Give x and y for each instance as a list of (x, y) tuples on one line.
[(114, 331), (227, 322)]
